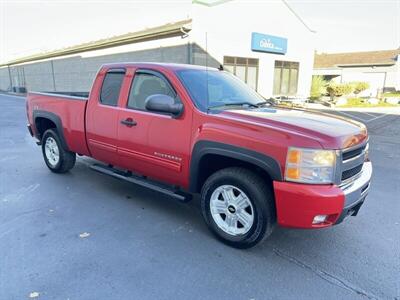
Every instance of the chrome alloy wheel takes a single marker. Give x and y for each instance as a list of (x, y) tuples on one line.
[(52, 151), (231, 210)]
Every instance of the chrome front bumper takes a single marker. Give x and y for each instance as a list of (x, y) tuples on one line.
[(356, 191)]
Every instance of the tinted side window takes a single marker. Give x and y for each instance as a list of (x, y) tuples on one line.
[(145, 85), (111, 87)]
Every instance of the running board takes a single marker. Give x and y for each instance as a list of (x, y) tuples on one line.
[(142, 181)]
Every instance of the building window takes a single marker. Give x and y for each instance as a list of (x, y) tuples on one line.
[(244, 68), (286, 75)]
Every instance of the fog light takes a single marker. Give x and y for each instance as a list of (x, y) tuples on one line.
[(319, 219)]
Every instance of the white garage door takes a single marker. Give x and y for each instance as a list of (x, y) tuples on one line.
[(376, 82)]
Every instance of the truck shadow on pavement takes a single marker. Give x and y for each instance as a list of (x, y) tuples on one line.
[(188, 215), (172, 225)]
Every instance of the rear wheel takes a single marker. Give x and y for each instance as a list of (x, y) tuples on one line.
[(238, 206), (57, 159)]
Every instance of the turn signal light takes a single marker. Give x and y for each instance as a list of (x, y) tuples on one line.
[(294, 156), (293, 173)]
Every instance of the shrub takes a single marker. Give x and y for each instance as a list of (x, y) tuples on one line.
[(359, 86), (360, 102), (339, 89), (318, 87), (355, 102), (391, 94)]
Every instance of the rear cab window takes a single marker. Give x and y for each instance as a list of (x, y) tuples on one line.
[(111, 87)]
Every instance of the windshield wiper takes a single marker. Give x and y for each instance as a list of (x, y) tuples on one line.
[(237, 104), (264, 103), (270, 101)]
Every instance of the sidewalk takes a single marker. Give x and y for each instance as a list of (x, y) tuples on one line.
[(12, 94)]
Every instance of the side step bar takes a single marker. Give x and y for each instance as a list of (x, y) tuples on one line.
[(142, 181)]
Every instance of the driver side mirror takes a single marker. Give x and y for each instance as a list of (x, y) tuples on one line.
[(163, 103)]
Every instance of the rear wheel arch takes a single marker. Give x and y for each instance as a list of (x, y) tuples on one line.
[(209, 157), (44, 120)]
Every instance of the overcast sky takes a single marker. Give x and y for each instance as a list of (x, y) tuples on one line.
[(29, 26), (352, 25)]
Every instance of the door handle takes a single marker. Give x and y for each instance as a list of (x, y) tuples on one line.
[(128, 122)]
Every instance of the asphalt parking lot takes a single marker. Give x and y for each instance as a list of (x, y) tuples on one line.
[(83, 235)]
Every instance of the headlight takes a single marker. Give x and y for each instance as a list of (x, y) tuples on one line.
[(310, 165)]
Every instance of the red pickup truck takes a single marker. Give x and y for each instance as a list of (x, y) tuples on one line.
[(184, 129)]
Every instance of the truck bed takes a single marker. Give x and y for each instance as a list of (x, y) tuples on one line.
[(68, 109)]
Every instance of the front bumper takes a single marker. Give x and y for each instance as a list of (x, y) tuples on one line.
[(297, 204), (29, 129), (356, 192)]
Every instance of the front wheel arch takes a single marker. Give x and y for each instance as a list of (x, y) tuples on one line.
[(209, 157)]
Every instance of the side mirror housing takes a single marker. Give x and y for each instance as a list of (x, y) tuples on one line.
[(163, 103)]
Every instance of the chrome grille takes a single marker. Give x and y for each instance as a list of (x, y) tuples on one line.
[(351, 172), (353, 153), (351, 161)]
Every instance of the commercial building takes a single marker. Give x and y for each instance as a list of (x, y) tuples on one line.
[(381, 69), (266, 44)]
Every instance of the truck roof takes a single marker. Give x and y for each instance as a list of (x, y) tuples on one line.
[(170, 66)]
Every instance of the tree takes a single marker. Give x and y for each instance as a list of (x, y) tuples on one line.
[(318, 87)]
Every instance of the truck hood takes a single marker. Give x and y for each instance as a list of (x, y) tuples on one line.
[(332, 132)]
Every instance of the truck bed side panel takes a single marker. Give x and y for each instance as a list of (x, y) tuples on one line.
[(71, 112)]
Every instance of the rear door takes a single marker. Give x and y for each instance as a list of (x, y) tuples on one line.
[(102, 116), (150, 143)]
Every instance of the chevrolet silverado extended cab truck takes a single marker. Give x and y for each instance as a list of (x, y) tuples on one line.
[(184, 129)]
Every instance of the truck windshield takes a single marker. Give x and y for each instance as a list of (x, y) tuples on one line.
[(214, 89)]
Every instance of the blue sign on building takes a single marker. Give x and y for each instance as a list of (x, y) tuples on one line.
[(268, 43)]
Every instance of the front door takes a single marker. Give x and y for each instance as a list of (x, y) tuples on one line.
[(102, 117), (150, 143)]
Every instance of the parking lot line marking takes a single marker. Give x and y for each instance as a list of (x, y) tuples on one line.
[(351, 116), (371, 115), (381, 115), (378, 117), (367, 114)]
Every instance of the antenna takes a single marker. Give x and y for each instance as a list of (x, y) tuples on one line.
[(207, 100)]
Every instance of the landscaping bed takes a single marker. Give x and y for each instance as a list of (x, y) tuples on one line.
[(363, 102)]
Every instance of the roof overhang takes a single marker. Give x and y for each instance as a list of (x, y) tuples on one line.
[(180, 28), (327, 71), (355, 65)]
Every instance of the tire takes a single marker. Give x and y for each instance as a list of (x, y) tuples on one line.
[(57, 159), (247, 221)]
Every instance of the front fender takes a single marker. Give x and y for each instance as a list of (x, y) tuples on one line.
[(204, 147)]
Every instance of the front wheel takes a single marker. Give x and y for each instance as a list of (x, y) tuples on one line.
[(57, 159), (238, 207)]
